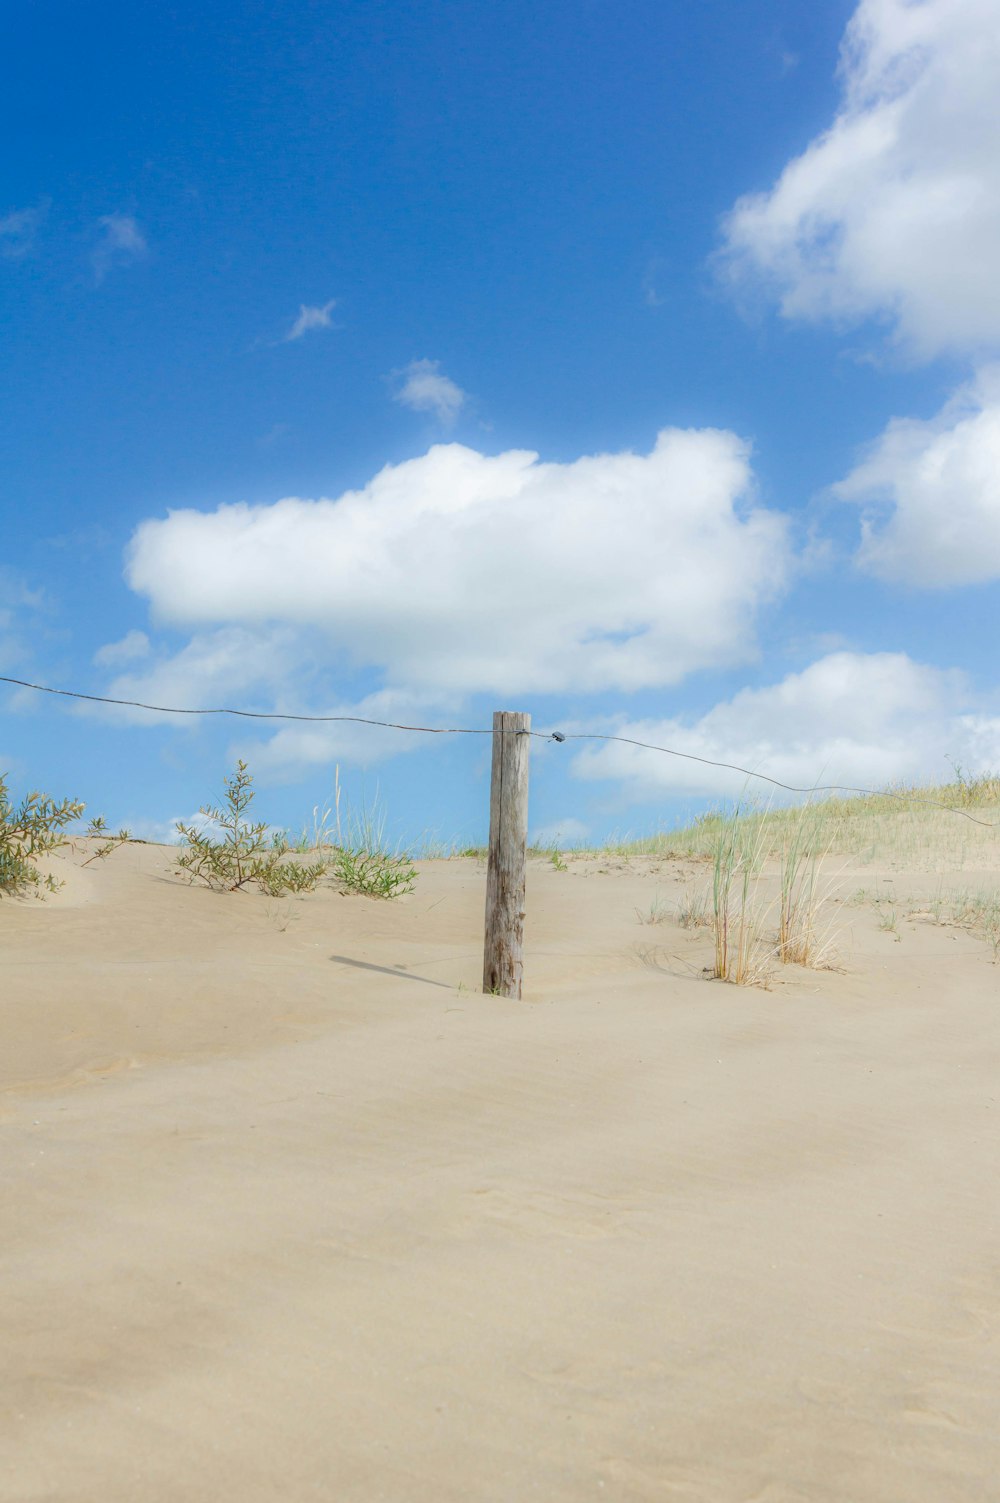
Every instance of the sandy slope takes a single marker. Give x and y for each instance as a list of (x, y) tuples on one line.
[(291, 1212)]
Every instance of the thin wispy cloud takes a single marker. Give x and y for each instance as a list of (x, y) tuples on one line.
[(17, 232), (120, 243), (22, 609), (134, 645), (651, 282), (423, 388), (311, 317)]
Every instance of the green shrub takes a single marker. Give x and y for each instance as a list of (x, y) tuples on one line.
[(374, 873), (33, 828), (362, 863), (232, 853)]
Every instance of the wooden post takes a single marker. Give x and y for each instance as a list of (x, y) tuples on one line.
[(502, 955)]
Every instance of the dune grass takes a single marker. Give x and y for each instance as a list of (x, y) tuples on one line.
[(761, 918), (353, 845), (775, 868), (905, 824), (742, 954)]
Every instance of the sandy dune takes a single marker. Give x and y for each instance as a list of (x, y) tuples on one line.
[(292, 1212)]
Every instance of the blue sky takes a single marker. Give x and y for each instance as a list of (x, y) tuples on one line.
[(332, 331)]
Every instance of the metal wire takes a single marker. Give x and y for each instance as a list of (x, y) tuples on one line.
[(461, 730)]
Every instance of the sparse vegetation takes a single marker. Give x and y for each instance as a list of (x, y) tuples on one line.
[(693, 911), (656, 913), (37, 827), (769, 881), (741, 953), (978, 912), (946, 823), (888, 920), (28, 831), (229, 853), (363, 863), (373, 873), (325, 832), (939, 828), (799, 942), (98, 830)]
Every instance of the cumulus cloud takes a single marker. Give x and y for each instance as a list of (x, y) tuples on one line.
[(894, 211), (931, 493), (17, 232), (311, 318), (423, 388), (865, 720), (459, 573)]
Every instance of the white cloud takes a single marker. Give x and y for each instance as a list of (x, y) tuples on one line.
[(165, 832), (850, 718), (120, 242), (296, 747), (424, 389), (17, 232), (211, 671), (458, 573), (311, 318), (272, 669), (894, 211), (932, 493), (135, 644)]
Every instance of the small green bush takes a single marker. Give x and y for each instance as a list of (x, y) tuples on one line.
[(374, 873), (245, 855), (33, 828), (361, 861)]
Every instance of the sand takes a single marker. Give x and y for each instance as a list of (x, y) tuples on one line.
[(293, 1212)]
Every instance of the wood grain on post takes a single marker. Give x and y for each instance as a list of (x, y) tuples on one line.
[(505, 872)]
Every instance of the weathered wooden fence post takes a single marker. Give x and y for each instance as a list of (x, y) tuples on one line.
[(502, 954)]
